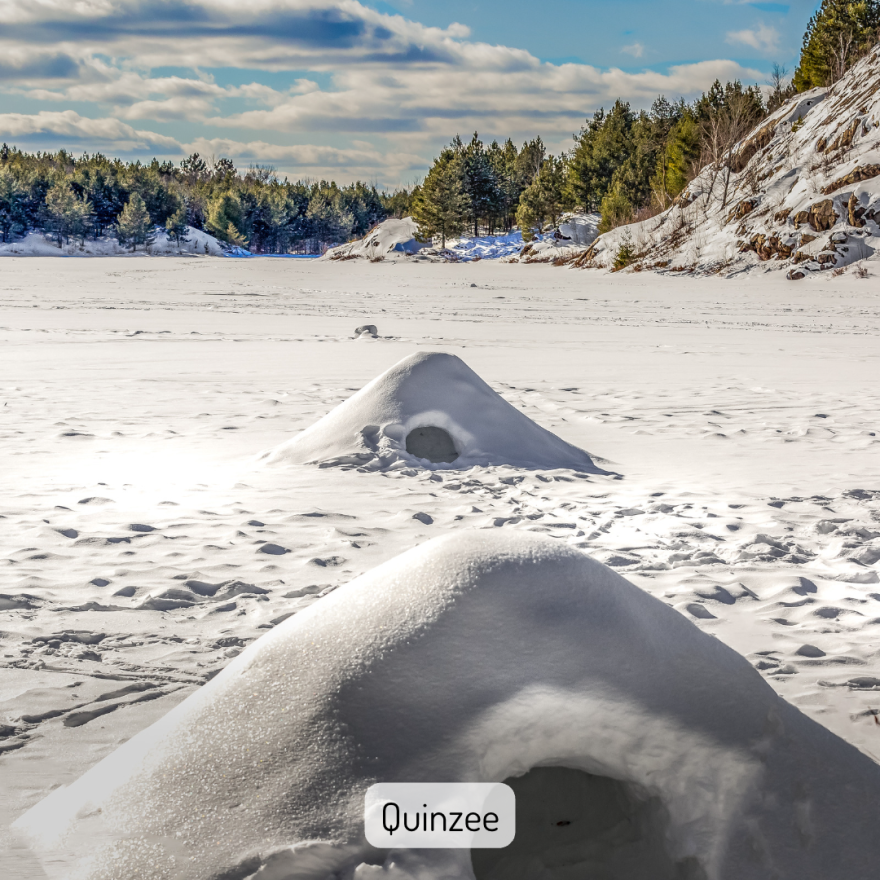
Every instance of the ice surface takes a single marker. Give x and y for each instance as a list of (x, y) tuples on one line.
[(430, 392), (474, 657), (742, 413)]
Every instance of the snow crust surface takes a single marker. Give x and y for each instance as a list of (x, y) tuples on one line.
[(430, 389), (142, 547), (474, 657)]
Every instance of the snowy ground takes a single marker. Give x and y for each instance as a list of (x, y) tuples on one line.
[(144, 543)]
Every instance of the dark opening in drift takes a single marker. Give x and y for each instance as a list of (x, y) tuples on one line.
[(431, 443), (571, 825)]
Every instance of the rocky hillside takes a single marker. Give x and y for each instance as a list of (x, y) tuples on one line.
[(803, 195)]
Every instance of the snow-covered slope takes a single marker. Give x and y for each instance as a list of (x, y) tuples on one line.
[(429, 410), (804, 195), (661, 753), (35, 244)]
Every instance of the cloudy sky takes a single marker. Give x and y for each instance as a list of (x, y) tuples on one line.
[(342, 89)]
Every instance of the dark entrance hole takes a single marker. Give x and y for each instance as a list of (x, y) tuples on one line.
[(571, 825), (431, 443)]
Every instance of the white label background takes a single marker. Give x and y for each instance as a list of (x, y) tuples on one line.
[(440, 797)]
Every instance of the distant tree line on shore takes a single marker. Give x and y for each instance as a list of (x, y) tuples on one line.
[(630, 165), (72, 198), (624, 164)]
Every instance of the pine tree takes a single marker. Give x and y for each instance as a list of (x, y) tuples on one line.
[(837, 36), (544, 200), (176, 227), (441, 206), (616, 209), (479, 180), (682, 154), (329, 222), (223, 209), (68, 215), (133, 225), (603, 145), (234, 237)]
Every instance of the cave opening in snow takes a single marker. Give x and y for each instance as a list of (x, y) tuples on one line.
[(572, 825), (431, 443)]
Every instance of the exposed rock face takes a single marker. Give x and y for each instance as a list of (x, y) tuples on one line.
[(744, 207), (855, 212), (756, 142), (820, 216), (857, 175), (768, 247)]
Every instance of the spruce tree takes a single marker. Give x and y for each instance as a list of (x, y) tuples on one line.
[(133, 225), (441, 206)]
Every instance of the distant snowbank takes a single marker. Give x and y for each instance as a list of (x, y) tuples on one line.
[(397, 240), (36, 244)]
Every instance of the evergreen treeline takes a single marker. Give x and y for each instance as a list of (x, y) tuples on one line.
[(624, 164), (70, 198), (627, 165)]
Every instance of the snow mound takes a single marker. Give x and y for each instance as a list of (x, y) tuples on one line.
[(429, 410), (36, 244), (803, 195), (392, 239), (638, 746)]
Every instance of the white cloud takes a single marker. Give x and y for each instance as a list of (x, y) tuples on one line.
[(370, 80), (71, 125), (764, 38)]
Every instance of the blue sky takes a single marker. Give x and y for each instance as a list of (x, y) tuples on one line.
[(344, 89)]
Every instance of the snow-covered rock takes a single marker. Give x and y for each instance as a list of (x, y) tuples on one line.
[(429, 410), (36, 244), (804, 195), (390, 239), (638, 746)]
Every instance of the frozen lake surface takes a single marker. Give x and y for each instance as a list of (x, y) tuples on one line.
[(145, 542)]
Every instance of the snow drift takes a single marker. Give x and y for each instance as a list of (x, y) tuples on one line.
[(429, 410), (639, 746), (804, 193)]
